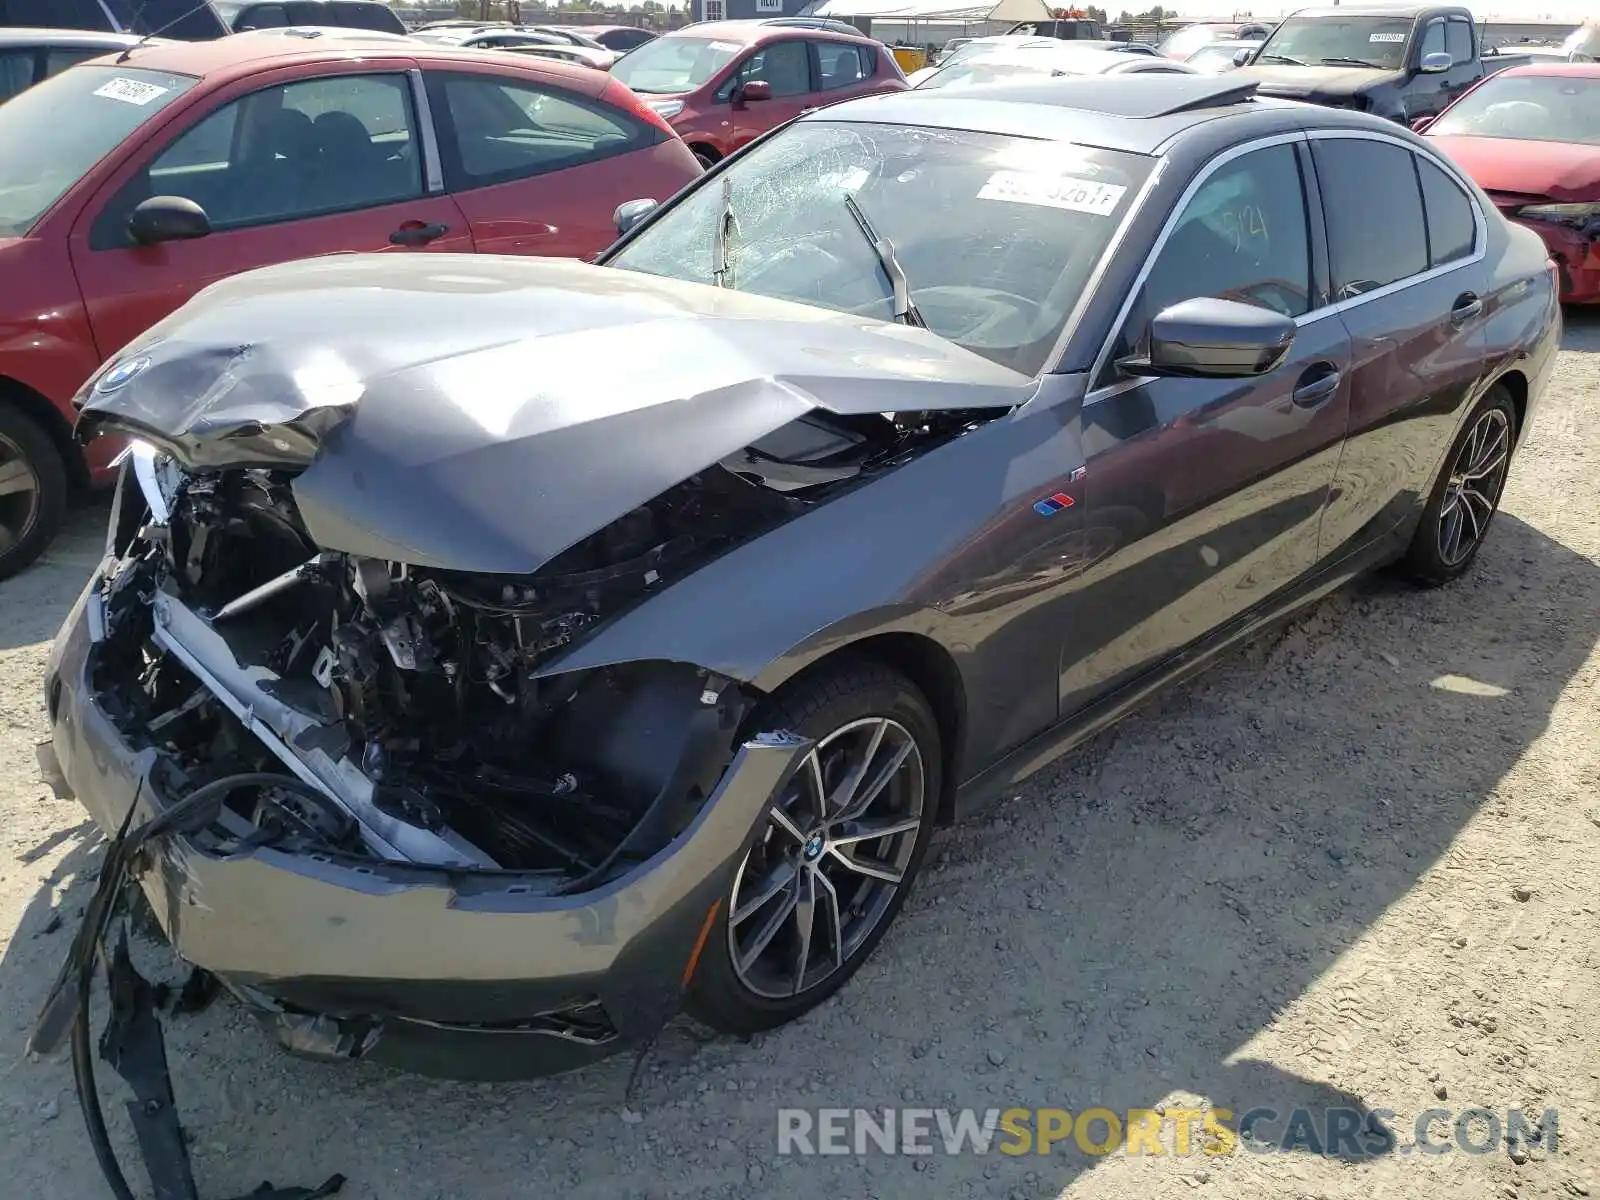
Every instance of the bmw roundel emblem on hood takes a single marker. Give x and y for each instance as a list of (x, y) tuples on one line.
[(120, 374)]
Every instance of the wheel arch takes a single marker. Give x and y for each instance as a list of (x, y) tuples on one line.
[(934, 672), (34, 405), (707, 149), (1516, 383)]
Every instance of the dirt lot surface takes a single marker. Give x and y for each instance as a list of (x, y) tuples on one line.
[(1353, 865)]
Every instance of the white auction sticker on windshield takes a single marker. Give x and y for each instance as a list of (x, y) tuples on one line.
[(726, 47), (1053, 191), (130, 91), (1387, 37)]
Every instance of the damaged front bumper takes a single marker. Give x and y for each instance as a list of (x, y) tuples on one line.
[(451, 971)]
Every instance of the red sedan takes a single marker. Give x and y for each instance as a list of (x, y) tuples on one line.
[(129, 183), (723, 84), (1530, 137)]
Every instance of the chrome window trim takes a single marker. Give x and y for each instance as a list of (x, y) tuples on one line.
[(1479, 247), (1195, 184), (432, 165)]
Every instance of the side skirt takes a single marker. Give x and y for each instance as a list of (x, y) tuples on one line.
[(1044, 748)]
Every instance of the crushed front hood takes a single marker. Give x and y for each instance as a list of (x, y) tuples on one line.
[(1566, 172), (483, 414)]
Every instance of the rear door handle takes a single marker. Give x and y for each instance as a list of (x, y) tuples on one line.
[(1466, 307), (1316, 389), (415, 233)]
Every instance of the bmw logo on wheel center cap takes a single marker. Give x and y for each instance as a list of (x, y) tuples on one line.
[(813, 847)]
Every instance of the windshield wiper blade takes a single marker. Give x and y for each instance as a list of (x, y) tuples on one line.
[(1338, 60), (905, 308), (719, 243), (1283, 58)]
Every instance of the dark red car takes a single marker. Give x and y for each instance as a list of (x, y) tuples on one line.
[(129, 183), (724, 83), (1530, 137)]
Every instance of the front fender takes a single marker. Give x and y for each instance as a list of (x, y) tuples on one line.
[(901, 555)]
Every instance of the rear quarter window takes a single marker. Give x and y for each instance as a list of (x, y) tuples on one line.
[(501, 129), (1452, 229)]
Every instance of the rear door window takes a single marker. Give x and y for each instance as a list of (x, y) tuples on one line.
[(841, 65), (503, 129), (1373, 208)]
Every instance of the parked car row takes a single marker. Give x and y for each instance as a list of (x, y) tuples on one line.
[(170, 166)]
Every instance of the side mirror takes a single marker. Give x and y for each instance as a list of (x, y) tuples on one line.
[(167, 219), (1438, 61), (756, 89), (1214, 339), (1420, 124), (1241, 57), (630, 213)]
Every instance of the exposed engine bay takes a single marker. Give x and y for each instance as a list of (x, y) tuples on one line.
[(404, 700)]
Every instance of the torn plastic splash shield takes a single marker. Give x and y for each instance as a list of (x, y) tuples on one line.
[(133, 1042)]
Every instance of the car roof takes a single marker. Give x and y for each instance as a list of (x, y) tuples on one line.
[(1137, 113), (1556, 67), (246, 53), (85, 39), (750, 32), (1371, 10), (1081, 59)]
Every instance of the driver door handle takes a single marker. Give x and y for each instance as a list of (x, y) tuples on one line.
[(1316, 385), (1466, 307)]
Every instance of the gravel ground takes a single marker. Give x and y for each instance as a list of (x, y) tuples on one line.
[(1352, 865)]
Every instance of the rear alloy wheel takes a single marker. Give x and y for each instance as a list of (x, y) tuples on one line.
[(1466, 495), (835, 855), (33, 491)]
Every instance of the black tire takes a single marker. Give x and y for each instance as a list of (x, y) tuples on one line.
[(707, 159), (29, 520), (1430, 560), (817, 705)]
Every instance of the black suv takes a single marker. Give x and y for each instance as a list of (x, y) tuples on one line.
[(196, 20), (184, 19), (276, 14)]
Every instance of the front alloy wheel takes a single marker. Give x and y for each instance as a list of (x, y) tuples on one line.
[(833, 857), (834, 853)]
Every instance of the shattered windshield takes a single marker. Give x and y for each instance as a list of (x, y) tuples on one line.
[(996, 236), (1378, 42)]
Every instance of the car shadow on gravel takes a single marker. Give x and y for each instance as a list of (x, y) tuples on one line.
[(1582, 332), (1114, 937), (36, 601)]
